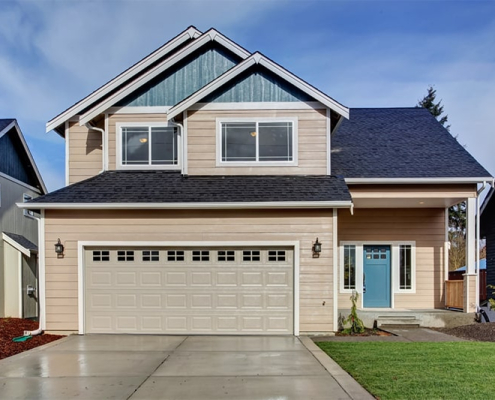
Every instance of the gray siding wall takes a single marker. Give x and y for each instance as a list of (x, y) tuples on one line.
[(12, 219)]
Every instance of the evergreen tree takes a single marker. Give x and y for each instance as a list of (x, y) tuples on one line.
[(436, 109)]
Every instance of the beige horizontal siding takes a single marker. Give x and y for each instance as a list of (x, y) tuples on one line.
[(141, 225), (424, 226), (85, 153), (312, 142)]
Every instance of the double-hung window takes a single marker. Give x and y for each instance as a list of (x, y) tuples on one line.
[(257, 142), (149, 146)]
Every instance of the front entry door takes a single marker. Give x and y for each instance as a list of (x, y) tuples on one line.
[(376, 278)]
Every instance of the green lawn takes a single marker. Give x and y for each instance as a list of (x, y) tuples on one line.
[(450, 370)]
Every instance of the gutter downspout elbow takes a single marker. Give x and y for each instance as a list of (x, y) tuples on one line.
[(102, 131)]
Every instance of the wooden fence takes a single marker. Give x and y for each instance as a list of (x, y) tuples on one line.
[(454, 294), (459, 276)]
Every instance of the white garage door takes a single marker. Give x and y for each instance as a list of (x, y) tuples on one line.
[(189, 291)]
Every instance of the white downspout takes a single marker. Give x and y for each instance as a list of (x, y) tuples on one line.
[(183, 148), (41, 258), (478, 244), (102, 131)]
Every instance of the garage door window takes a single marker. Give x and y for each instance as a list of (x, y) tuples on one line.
[(201, 255), (151, 255), (175, 255), (101, 255), (125, 255), (226, 255), (276, 255), (251, 255)]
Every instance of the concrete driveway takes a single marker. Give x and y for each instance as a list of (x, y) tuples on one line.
[(175, 367)]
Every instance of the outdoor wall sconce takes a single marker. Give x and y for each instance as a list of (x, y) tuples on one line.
[(316, 249), (59, 248)]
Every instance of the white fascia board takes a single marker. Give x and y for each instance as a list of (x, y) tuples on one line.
[(211, 35), (398, 181), (211, 87), (305, 87), (16, 245), (190, 33), (14, 124), (189, 206)]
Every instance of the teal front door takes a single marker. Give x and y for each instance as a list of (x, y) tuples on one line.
[(376, 279)]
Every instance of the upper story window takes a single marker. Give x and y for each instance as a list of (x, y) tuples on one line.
[(149, 146), (257, 142)]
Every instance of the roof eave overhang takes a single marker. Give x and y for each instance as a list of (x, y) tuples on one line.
[(399, 181), (187, 206), (16, 245)]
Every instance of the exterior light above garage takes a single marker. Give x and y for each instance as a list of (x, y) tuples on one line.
[(59, 247), (316, 248)]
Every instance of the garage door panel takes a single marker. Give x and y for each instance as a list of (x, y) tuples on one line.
[(166, 291)]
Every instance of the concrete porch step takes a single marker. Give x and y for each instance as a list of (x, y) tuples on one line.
[(397, 321)]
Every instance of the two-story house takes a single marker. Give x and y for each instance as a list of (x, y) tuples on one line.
[(211, 191), (20, 181)]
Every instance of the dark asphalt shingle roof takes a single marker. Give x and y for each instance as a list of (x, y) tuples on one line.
[(5, 122), (27, 244), (399, 143), (172, 187)]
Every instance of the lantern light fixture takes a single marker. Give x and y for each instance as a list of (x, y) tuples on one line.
[(59, 247), (316, 248)]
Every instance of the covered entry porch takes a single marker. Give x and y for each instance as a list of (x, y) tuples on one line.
[(394, 249)]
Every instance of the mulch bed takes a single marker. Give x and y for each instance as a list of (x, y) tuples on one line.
[(15, 327), (479, 332)]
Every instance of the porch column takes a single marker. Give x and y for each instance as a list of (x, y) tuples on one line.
[(470, 300)]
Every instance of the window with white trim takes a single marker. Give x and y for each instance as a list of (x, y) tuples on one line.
[(25, 198), (257, 141), (349, 273), (152, 146), (405, 267)]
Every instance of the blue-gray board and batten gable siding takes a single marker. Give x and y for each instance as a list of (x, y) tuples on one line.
[(257, 85), (183, 79), (196, 71), (13, 162)]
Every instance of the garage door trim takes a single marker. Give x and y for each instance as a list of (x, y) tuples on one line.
[(81, 246)]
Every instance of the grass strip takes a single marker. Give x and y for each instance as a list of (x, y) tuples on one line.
[(447, 370)]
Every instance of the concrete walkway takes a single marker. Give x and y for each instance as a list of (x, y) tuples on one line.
[(398, 335), (176, 367)]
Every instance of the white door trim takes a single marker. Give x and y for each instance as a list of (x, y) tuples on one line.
[(81, 245)]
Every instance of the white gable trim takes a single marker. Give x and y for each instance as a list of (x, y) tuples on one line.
[(258, 58), (190, 33), (31, 159), (207, 37)]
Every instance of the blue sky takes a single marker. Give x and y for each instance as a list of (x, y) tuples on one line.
[(362, 53)]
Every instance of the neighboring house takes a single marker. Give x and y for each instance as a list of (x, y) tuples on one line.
[(20, 181), (203, 180), (487, 231)]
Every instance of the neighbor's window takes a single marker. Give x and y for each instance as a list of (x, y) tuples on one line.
[(257, 141), (25, 199), (405, 267), (149, 145), (349, 267)]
